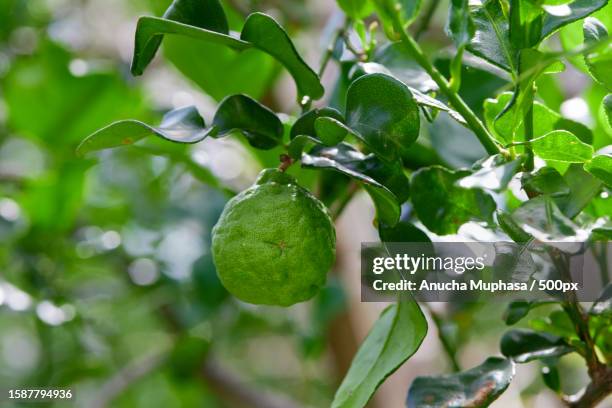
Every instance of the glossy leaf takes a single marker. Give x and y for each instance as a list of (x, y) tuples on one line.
[(331, 131), (385, 182), (396, 58), (383, 113), (525, 23), (491, 40), (561, 145), (396, 336), (266, 34), (442, 205), (493, 174), (305, 124), (518, 309), (476, 387), (558, 16), (598, 62), (600, 166), (523, 345), (421, 98), (545, 181), (208, 24), (262, 128), (183, 125), (460, 26)]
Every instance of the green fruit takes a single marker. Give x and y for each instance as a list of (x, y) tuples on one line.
[(274, 242)]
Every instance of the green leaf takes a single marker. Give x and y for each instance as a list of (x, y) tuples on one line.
[(421, 98), (491, 40), (305, 124), (543, 220), (525, 23), (583, 187), (460, 26), (383, 113), (607, 104), (396, 336), (262, 128), (183, 125), (403, 231), (518, 309), (493, 174), (385, 182), (331, 131), (396, 58), (545, 181), (442, 206), (558, 16), (388, 10), (266, 34), (208, 24), (545, 120), (561, 145), (598, 62), (355, 9), (603, 304), (476, 387), (601, 167), (523, 345), (298, 144)]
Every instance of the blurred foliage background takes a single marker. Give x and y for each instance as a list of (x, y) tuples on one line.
[(107, 286)]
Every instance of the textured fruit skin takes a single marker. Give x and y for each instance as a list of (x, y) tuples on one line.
[(274, 242)]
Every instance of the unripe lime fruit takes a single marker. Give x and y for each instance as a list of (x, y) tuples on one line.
[(274, 242)]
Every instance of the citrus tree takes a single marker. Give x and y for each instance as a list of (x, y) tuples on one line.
[(506, 158)]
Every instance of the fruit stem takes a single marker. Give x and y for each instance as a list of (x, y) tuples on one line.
[(285, 162)]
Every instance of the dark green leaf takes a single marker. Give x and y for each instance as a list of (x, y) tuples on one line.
[(397, 59), (266, 34), (603, 304), (476, 387), (262, 128), (460, 26), (305, 124), (331, 131), (493, 174), (601, 167), (201, 20), (421, 98), (491, 39), (183, 125), (607, 104), (382, 112), (442, 205), (524, 345), (518, 309), (598, 62), (525, 23), (396, 335), (298, 144), (550, 375), (385, 182), (402, 232), (546, 181), (558, 16), (561, 145), (512, 228)]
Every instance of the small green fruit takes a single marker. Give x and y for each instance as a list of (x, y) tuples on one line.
[(274, 242)]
